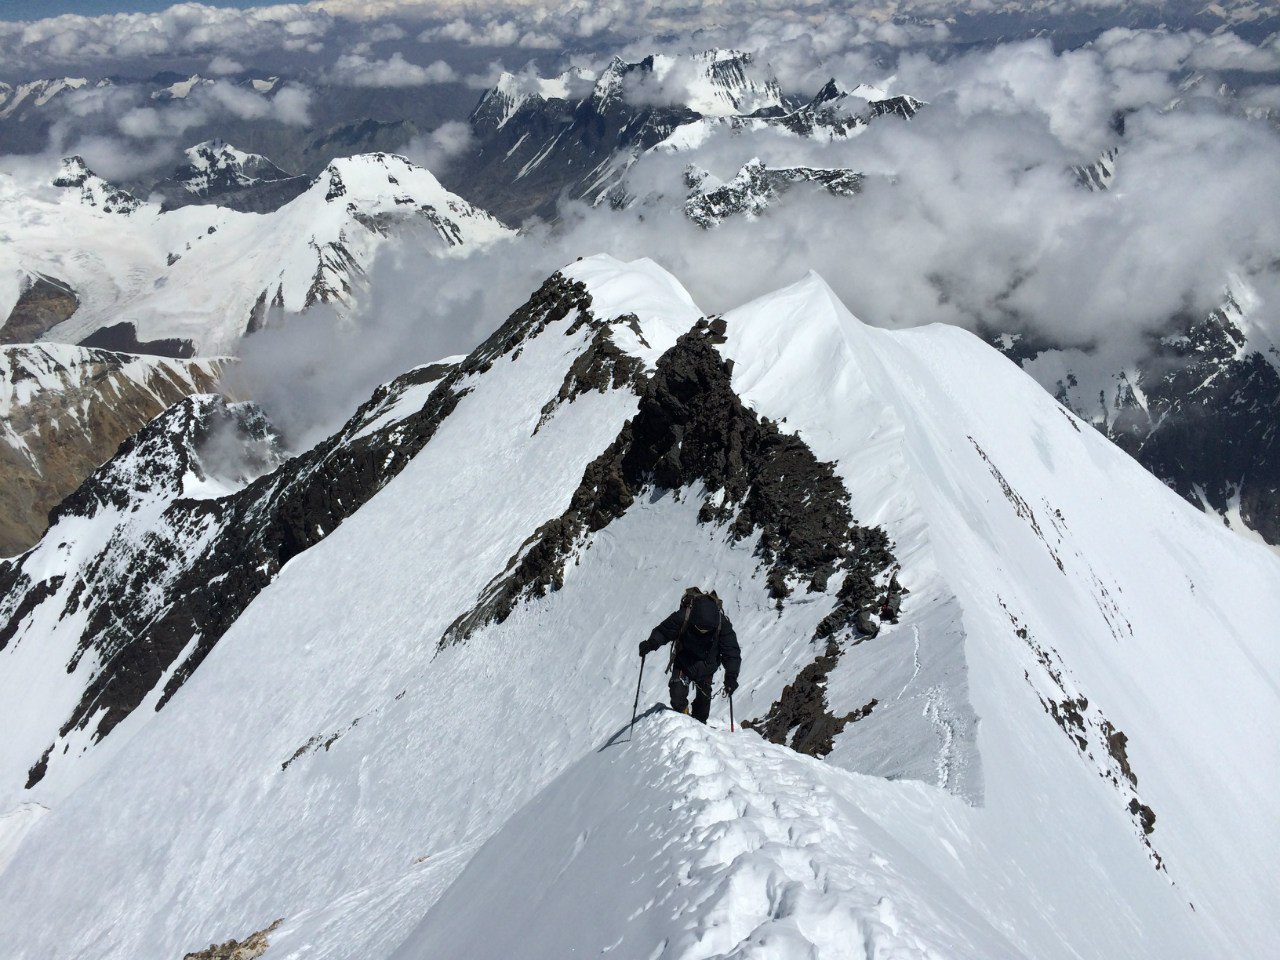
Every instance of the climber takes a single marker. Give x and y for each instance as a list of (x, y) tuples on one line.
[(702, 639)]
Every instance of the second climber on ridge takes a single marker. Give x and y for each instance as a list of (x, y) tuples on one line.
[(702, 640)]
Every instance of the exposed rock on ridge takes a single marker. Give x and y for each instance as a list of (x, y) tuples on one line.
[(692, 431), (204, 560), (66, 410), (755, 187)]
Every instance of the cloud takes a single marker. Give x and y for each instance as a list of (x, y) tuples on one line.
[(120, 159), (222, 65), (1167, 51), (357, 70), (124, 134), (310, 371), (386, 32), (437, 149), (970, 215), (183, 29)]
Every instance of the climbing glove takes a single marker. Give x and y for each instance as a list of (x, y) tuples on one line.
[(730, 685), (647, 647)]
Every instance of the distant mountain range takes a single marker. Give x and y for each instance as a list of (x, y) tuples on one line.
[(193, 275)]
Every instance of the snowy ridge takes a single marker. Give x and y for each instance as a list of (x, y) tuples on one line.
[(755, 187), (1057, 596), (834, 113), (206, 274), (36, 93), (1089, 633), (182, 88), (502, 101), (735, 846)]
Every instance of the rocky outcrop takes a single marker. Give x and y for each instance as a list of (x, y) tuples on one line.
[(1096, 739), (250, 948), (755, 187), (123, 338), (176, 565), (44, 303), (692, 430), (65, 411)]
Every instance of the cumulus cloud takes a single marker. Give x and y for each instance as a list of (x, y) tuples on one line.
[(385, 32), (222, 65), (357, 70), (970, 214), (183, 29), (197, 29)]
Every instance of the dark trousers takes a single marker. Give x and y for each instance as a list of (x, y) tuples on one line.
[(679, 689)]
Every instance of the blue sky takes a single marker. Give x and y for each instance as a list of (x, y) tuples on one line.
[(38, 9)]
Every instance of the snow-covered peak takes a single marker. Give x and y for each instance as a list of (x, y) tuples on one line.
[(206, 274), (662, 308), (36, 93), (714, 83), (502, 101), (376, 183), (1098, 175), (214, 153), (182, 88), (726, 84), (74, 173), (215, 166)]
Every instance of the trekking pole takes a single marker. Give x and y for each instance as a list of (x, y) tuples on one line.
[(731, 713), (636, 706)]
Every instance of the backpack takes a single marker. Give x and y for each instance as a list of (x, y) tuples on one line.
[(705, 647)]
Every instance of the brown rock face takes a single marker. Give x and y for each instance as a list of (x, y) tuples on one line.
[(42, 306), (63, 412), (252, 947)]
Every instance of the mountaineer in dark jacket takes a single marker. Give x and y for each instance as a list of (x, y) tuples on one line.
[(702, 640)]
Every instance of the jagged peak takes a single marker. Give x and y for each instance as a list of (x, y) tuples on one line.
[(72, 172)]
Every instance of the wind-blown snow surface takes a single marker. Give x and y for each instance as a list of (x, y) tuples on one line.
[(1049, 575)]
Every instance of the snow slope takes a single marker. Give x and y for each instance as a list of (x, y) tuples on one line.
[(750, 849), (334, 764), (206, 274)]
